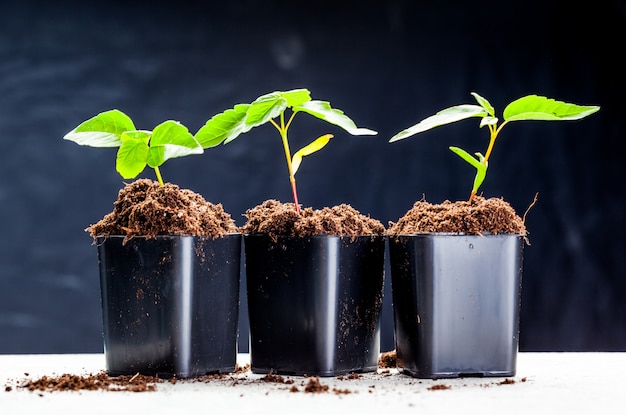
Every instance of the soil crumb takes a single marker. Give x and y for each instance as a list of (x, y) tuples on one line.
[(242, 369), (439, 387), (100, 381), (146, 208), (281, 219), (388, 360), (482, 215), (314, 386), (274, 378)]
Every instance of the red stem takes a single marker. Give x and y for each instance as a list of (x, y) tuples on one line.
[(295, 196)]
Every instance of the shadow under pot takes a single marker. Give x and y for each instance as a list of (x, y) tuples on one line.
[(314, 303), (170, 304), (456, 302)]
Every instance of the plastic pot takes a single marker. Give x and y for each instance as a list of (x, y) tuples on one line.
[(314, 304), (170, 304), (456, 301)]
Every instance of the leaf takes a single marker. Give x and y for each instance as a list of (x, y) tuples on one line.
[(223, 127), (103, 130), (310, 148), (467, 157), (488, 120), (485, 104), (133, 153), (171, 139), (322, 110), (481, 169), (265, 108), (446, 116), (534, 107), (296, 97)]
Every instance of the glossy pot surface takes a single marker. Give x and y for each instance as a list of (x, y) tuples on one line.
[(170, 304), (314, 304), (456, 302)]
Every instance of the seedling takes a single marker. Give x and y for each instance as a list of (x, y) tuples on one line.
[(137, 148), (531, 107), (270, 108)]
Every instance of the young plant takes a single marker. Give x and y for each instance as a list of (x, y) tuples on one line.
[(137, 148), (271, 108), (530, 107)]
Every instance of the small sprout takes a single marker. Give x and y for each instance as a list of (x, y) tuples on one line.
[(270, 108), (137, 148), (530, 107)]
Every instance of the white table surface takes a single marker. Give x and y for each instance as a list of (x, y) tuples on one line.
[(546, 383)]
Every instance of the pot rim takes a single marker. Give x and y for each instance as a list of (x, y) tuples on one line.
[(369, 235), (453, 234), (168, 236)]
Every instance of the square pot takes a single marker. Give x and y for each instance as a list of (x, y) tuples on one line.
[(456, 301), (314, 303), (170, 304)]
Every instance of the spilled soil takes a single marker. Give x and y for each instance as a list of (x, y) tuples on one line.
[(100, 381), (241, 378), (276, 219), (388, 360), (480, 216), (146, 208)]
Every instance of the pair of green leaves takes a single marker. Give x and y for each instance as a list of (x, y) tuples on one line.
[(530, 107), (228, 125), (137, 148), (271, 108)]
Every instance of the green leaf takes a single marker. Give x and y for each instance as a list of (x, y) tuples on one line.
[(488, 121), (322, 110), (310, 148), (481, 169), (467, 157), (296, 97), (265, 108), (534, 107), (103, 130), (485, 104), (446, 116), (133, 153), (171, 139), (223, 127)]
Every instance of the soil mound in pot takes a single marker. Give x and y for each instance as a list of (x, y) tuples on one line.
[(146, 208), (480, 216), (281, 219)]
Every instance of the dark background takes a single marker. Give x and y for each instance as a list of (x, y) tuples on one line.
[(387, 64)]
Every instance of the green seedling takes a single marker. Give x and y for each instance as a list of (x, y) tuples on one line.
[(531, 107), (137, 148), (271, 108)]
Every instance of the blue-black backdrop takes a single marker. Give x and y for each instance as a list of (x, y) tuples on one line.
[(386, 64)]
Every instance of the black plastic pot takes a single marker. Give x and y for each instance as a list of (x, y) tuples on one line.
[(170, 304), (314, 304), (456, 301)]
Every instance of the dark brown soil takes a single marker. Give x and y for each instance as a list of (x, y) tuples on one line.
[(274, 378), (314, 386), (388, 360), (146, 208), (100, 381), (281, 219), (439, 387), (478, 217)]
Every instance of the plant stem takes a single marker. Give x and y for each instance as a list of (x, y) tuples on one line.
[(493, 134), (158, 175), (282, 129)]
